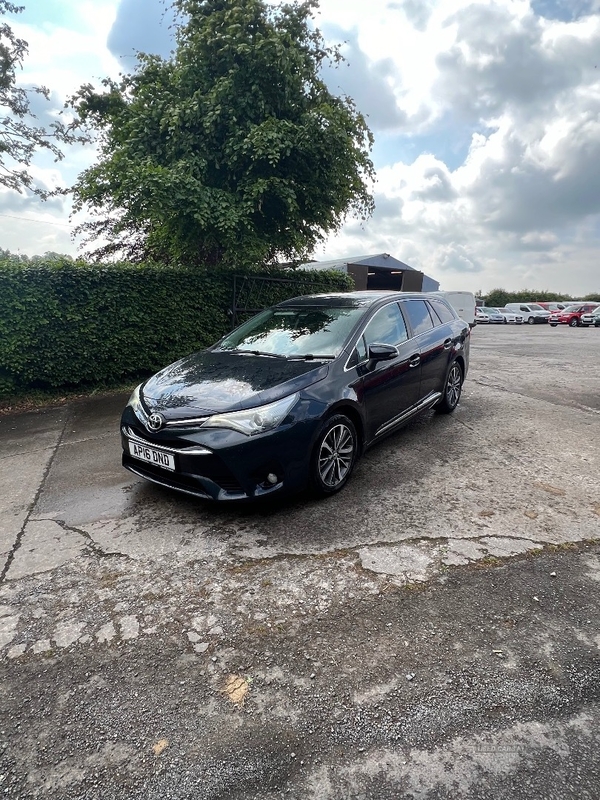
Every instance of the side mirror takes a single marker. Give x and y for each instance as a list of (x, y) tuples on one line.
[(382, 352)]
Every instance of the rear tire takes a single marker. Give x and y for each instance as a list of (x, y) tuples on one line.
[(334, 455), (452, 389), (573, 323), (553, 324)]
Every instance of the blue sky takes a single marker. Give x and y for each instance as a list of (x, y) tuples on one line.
[(486, 117)]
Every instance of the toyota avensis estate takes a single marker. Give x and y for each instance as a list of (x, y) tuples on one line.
[(293, 397)]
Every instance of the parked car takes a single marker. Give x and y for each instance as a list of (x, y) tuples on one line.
[(295, 395), (532, 313), (494, 316), (511, 317), (571, 315), (591, 318), (480, 317)]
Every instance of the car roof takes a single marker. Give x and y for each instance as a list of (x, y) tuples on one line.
[(352, 299)]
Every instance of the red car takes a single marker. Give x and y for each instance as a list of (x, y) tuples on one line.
[(571, 315)]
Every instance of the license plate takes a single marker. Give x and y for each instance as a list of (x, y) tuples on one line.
[(152, 456)]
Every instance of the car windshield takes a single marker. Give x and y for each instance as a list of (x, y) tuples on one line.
[(535, 307), (289, 332)]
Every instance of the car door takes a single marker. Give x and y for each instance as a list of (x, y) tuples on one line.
[(435, 341), (388, 388)]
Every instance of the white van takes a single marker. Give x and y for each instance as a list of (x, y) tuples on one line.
[(530, 312), (463, 303)]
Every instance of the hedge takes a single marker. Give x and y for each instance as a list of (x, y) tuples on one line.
[(66, 324)]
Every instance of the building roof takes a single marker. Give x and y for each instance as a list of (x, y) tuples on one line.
[(381, 260)]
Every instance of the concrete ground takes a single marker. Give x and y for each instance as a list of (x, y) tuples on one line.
[(433, 631)]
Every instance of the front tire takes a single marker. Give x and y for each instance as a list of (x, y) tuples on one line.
[(531, 320), (452, 389), (334, 455)]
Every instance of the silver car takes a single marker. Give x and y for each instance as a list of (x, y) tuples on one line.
[(493, 315), (591, 318), (511, 317)]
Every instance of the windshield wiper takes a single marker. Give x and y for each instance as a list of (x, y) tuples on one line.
[(310, 357), (253, 352)]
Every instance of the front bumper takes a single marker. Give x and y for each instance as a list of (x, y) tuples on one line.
[(220, 464)]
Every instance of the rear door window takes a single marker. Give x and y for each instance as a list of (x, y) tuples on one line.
[(441, 311), (418, 316)]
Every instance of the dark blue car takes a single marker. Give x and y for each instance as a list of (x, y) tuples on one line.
[(294, 396)]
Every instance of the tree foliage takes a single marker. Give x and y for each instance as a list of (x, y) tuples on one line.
[(498, 298), (20, 136), (232, 150)]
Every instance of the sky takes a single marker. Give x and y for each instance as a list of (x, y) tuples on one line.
[(485, 113)]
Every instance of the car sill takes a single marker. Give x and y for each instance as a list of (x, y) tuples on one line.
[(426, 403)]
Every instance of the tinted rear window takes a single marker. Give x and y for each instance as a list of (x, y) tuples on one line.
[(418, 315), (442, 311)]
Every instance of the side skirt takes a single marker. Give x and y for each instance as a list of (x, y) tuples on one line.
[(424, 404)]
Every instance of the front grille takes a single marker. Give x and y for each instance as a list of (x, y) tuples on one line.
[(160, 441)]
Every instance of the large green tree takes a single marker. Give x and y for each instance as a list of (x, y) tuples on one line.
[(20, 134), (233, 150)]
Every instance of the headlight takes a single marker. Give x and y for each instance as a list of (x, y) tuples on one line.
[(254, 420), (135, 401)]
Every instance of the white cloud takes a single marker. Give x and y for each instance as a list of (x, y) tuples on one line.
[(523, 207)]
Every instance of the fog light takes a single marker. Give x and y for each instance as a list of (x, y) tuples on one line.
[(272, 478)]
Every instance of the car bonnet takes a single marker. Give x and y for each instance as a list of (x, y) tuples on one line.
[(217, 382)]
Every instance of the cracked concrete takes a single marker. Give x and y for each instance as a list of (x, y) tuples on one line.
[(43, 545)]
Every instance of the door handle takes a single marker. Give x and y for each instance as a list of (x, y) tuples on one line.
[(414, 361), (447, 344)]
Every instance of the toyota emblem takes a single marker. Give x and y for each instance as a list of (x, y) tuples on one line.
[(155, 422)]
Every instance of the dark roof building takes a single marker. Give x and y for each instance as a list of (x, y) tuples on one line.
[(379, 271)]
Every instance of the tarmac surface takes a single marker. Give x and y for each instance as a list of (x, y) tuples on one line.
[(433, 631)]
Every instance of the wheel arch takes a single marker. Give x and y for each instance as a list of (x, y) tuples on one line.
[(344, 407), (460, 359)]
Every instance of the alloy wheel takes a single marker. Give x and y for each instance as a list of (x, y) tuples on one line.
[(453, 386), (336, 455)]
